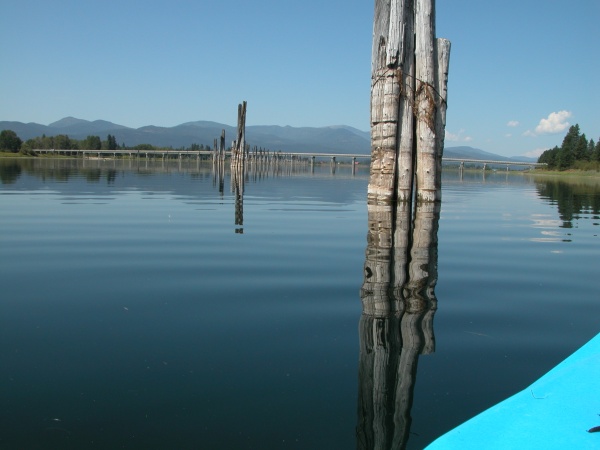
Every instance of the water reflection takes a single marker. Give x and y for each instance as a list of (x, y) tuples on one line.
[(237, 187), (572, 198), (396, 325), (104, 172), (10, 171)]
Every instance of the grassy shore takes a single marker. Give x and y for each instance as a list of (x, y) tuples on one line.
[(573, 173), (13, 155), (23, 155)]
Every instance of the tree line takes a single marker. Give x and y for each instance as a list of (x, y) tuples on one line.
[(576, 152), (10, 142)]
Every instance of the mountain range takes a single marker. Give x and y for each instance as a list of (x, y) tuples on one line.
[(332, 139)]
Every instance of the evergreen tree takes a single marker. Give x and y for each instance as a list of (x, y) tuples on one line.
[(550, 157), (580, 148), (566, 158), (590, 150), (575, 147), (111, 142), (571, 139)]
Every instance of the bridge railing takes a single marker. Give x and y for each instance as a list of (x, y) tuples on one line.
[(501, 163), (333, 156)]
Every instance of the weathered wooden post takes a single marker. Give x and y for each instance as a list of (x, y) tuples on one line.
[(385, 93), (409, 70), (238, 159), (238, 150), (425, 99), (222, 145), (443, 63)]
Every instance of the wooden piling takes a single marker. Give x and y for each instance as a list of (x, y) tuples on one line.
[(406, 165), (385, 94), (222, 145), (409, 69), (238, 169), (425, 99), (443, 62), (238, 150)]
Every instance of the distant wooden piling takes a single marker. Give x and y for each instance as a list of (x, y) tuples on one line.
[(238, 167), (238, 149), (409, 69), (222, 145)]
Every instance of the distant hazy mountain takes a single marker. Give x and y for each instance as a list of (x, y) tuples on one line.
[(331, 139), (72, 126), (475, 153), (335, 139)]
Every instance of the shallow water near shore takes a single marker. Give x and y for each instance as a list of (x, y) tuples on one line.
[(157, 305)]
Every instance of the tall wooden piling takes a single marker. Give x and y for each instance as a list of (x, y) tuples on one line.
[(443, 62), (409, 69), (222, 145), (405, 156), (385, 93), (425, 99), (238, 150), (238, 166)]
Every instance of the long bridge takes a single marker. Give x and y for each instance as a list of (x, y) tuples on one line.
[(483, 162), (180, 154)]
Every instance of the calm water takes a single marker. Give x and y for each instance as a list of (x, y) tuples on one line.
[(153, 306)]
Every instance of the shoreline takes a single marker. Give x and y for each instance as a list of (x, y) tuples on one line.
[(571, 173)]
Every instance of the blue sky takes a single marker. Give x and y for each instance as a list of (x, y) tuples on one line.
[(521, 71)]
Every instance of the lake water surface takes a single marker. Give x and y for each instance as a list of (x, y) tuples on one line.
[(157, 306)]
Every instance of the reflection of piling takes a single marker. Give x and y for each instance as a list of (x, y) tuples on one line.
[(237, 186), (219, 162), (377, 276), (423, 270), (379, 351), (397, 322)]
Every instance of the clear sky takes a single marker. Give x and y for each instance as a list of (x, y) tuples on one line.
[(521, 71)]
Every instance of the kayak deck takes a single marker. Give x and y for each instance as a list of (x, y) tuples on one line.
[(554, 412)]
